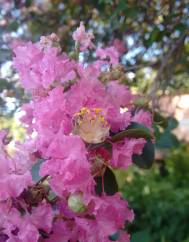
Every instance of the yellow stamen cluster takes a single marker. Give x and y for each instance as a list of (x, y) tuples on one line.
[(91, 125)]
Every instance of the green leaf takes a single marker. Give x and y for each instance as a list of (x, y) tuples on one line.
[(110, 183), (172, 123), (105, 1), (141, 236), (137, 125), (145, 160), (28, 3), (131, 12), (141, 102), (181, 27), (131, 133), (121, 6), (153, 37), (160, 120), (13, 26), (5, 84), (135, 130), (157, 132), (167, 140)]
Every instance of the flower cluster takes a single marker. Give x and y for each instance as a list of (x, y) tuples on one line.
[(50, 186)]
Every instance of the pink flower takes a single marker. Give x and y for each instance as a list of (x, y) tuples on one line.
[(143, 117), (120, 46), (72, 114), (51, 40), (39, 68), (38, 214), (123, 237), (109, 52), (12, 183), (26, 60), (117, 120), (50, 116), (123, 151), (105, 216), (90, 93), (64, 231), (120, 94), (27, 233), (83, 38), (110, 214), (68, 170), (17, 227)]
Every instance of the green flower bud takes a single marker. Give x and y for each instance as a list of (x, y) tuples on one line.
[(75, 203)]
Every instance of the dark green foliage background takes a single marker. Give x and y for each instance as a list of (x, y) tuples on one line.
[(161, 203)]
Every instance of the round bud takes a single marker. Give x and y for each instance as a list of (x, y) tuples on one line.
[(75, 203)]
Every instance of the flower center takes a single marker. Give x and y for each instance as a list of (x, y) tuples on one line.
[(91, 125)]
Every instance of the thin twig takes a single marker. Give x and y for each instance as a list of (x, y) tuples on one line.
[(136, 67)]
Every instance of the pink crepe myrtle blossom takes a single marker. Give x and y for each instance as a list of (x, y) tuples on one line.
[(49, 41), (49, 186), (123, 151), (110, 213), (68, 171), (83, 38), (25, 227), (143, 117), (11, 181), (39, 68), (119, 45), (108, 53)]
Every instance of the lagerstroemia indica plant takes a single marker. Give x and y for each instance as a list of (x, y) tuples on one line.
[(81, 124)]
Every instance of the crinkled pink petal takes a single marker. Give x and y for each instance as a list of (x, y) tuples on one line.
[(12, 185), (123, 152), (120, 94), (68, 170), (83, 38), (42, 217), (40, 68), (143, 117), (109, 52), (120, 46)]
